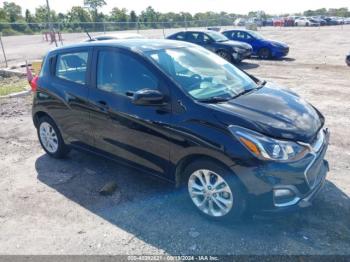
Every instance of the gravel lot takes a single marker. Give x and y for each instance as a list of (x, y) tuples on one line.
[(53, 206)]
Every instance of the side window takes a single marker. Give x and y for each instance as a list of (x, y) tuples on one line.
[(240, 35), (206, 38), (120, 73), (192, 37), (72, 67), (179, 36), (233, 35), (248, 36)]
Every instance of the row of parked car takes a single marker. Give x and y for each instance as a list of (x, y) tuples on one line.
[(233, 45), (294, 21)]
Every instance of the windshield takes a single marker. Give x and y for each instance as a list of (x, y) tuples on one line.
[(217, 36), (256, 35), (201, 73)]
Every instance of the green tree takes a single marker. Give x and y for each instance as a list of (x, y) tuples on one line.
[(78, 14), (119, 15), (94, 5), (12, 11), (133, 16)]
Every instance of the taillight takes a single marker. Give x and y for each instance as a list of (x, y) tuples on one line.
[(34, 83)]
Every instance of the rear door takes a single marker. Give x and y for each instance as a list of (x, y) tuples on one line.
[(70, 72), (133, 133)]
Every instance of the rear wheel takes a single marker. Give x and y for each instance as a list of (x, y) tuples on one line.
[(50, 138), (264, 53), (225, 55), (214, 191)]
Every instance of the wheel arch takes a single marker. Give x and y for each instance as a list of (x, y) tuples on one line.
[(39, 114), (185, 161)]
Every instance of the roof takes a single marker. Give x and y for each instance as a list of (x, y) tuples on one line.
[(199, 30), (242, 30), (120, 35), (140, 45)]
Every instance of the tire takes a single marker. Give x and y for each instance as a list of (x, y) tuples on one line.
[(232, 197), (51, 139), (307, 24), (264, 53), (225, 55), (296, 24)]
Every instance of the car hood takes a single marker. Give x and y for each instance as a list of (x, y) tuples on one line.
[(281, 44), (233, 43), (272, 111)]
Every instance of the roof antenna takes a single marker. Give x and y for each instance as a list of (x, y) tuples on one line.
[(86, 31)]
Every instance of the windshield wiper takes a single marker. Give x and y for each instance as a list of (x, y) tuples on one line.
[(215, 99), (260, 85)]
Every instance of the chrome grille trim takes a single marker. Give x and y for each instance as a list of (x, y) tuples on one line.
[(314, 149)]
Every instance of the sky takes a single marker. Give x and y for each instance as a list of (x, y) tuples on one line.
[(193, 6)]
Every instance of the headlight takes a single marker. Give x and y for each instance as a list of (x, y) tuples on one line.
[(238, 49), (268, 148), (277, 46)]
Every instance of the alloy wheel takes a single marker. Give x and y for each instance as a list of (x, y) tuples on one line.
[(224, 55), (210, 193), (48, 137)]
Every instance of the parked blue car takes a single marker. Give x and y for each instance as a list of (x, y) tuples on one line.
[(262, 47)]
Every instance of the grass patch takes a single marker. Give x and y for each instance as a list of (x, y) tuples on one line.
[(12, 85)]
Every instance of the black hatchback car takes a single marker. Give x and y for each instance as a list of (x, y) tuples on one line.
[(232, 51), (180, 112)]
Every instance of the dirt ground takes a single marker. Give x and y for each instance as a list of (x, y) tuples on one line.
[(52, 206)]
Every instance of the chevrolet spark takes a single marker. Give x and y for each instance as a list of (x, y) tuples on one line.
[(182, 113)]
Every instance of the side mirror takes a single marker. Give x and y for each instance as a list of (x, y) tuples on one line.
[(146, 97)]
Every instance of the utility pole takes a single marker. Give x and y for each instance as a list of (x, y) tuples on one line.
[(49, 21)]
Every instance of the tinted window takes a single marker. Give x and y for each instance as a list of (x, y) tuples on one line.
[(206, 38), (179, 36), (230, 34), (72, 67), (193, 37), (120, 73), (240, 35)]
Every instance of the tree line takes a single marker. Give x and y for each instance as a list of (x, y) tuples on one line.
[(89, 18)]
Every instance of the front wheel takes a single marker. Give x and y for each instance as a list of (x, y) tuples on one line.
[(264, 53), (50, 138), (225, 55), (215, 191)]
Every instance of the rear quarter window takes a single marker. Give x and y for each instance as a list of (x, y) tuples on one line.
[(72, 67), (179, 36)]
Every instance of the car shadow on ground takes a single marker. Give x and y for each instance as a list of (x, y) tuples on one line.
[(247, 65), (282, 59), (155, 213)]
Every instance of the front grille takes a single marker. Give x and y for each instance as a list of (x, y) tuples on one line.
[(313, 170), (285, 50), (313, 173)]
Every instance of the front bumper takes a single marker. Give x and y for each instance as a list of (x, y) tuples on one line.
[(280, 52), (242, 54), (303, 179)]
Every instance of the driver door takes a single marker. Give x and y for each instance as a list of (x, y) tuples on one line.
[(134, 133)]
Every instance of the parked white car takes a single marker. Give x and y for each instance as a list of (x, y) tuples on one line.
[(304, 21), (239, 22)]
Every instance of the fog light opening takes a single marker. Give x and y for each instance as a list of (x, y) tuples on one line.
[(284, 197)]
